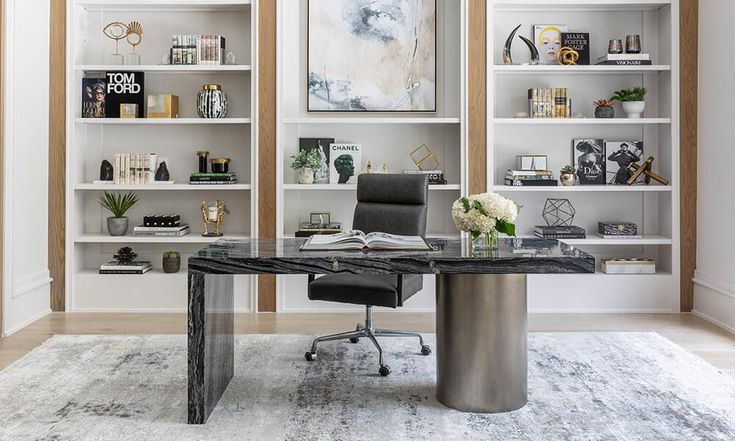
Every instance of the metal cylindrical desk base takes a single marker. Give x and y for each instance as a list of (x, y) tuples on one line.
[(481, 342)]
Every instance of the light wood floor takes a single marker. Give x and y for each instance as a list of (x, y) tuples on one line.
[(710, 342)]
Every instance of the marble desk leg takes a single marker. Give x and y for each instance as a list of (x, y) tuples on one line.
[(481, 342), (211, 341)]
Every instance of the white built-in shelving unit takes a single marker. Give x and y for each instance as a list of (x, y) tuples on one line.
[(385, 138), (655, 207), (89, 141)]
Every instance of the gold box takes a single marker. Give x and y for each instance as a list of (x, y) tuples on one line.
[(128, 111), (163, 106)]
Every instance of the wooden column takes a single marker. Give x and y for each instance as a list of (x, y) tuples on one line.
[(57, 155), (477, 96), (267, 142), (688, 55)]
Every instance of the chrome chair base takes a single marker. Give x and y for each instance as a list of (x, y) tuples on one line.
[(368, 331)]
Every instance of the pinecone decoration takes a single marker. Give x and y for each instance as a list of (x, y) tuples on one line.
[(125, 255)]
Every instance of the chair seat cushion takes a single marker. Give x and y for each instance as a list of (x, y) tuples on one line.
[(362, 289)]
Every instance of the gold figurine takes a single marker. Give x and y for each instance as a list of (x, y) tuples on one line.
[(212, 214), (116, 31)]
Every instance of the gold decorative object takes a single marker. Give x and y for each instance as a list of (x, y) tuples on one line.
[(134, 38), (369, 167), (568, 56), (645, 169), (212, 214), (424, 158), (116, 31), (128, 111)]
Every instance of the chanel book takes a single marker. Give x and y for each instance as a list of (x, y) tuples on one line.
[(357, 240)]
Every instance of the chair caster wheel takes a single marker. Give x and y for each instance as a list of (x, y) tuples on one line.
[(384, 371), (354, 340), (425, 350), (310, 356)]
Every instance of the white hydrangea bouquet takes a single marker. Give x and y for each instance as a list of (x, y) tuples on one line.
[(484, 216)]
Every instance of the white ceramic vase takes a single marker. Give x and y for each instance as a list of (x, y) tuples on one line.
[(634, 108), (306, 175)]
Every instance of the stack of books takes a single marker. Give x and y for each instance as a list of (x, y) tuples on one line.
[(530, 178), (625, 59), (307, 230), (176, 231), (197, 49), (212, 178), (559, 232), (436, 177), (136, 267), (549, 103), (134, 168)]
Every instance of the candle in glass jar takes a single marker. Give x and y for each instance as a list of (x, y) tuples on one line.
[(212, 213)]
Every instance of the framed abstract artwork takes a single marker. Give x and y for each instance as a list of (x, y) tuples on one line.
[(371, 56)]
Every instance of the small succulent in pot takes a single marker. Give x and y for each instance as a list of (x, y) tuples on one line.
[(604, 109), (171, 262), (633, 101), (568, 176), (125, 256), (118, 204), (306, 162)]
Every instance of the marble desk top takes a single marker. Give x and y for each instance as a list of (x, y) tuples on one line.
[(455, 256)]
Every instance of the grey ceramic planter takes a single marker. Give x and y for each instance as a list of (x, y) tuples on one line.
[(117, 226)]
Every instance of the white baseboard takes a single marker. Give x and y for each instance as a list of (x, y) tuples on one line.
[(31, 283), (714, 321), (25, 323), (144, 311), (714, 300)]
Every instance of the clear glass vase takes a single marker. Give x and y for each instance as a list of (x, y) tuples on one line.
[(486, 241)]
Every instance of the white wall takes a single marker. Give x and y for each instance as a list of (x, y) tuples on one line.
[(714, 295), (25, 172)]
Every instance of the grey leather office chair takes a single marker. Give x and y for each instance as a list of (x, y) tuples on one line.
[(390, 203)]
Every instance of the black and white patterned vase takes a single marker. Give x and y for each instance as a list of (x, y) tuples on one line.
[(212, 102)]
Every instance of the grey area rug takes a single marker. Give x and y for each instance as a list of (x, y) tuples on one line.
[(582, 386)]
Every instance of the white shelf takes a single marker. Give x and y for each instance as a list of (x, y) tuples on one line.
[(579, 121), (193, 237), (370, 120), (584, 188), (165, 68), (580, 5), (649, 239), (161, 121), (163, 187), (353, 187), (591, 69), (164, 5)]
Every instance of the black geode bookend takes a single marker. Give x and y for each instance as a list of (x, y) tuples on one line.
[(106, 171), (162, 173)]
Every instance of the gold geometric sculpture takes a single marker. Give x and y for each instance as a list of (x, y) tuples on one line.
[(424, 158), (568, 56)]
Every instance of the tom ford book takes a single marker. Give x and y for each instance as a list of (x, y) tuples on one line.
[(580, 42), (124, 88), (589, 160), (344, 163)]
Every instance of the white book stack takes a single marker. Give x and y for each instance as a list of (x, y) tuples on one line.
[(178, 231)]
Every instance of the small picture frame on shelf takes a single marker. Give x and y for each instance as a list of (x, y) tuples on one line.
[(320, 218), (532, 162)]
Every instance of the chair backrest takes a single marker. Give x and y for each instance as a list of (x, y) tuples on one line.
[(392, 203)]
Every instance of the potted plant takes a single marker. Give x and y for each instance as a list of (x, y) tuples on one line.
[(568, 176), (632, 100), (604, 109), (484, 216), (118, 204), (171, 262), (305, 162)]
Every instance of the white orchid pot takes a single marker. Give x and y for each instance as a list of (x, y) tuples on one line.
[(634, 109)]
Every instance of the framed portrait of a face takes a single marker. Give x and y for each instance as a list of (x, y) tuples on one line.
[(371, 56), (547, 39)]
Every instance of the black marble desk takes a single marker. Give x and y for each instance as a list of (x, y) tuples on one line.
[(481, 310)]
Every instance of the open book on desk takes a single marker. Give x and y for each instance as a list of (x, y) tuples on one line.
[(357, 240)]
